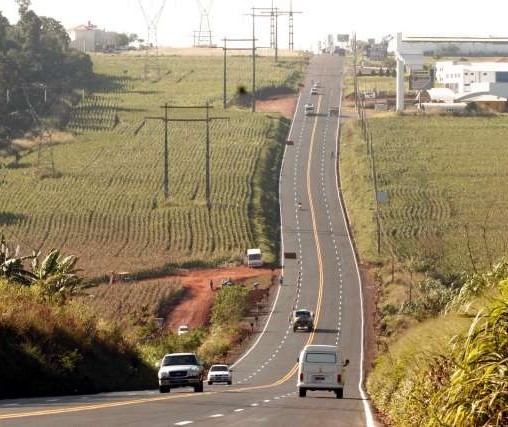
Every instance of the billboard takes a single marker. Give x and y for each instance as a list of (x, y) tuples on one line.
[(420, 80), (343, 38)]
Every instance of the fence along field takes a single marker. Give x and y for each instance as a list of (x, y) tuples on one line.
[(446, 180), (107, 206)]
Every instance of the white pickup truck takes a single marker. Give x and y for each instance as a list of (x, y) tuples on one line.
[(180, 370)]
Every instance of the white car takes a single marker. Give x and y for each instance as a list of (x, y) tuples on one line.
[(220, 374), (309, 109), (314, 91), (183, 329)]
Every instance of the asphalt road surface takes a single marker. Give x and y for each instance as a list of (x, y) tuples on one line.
[(322, 277)]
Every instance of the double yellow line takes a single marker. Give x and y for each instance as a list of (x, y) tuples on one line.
[(280, 381)]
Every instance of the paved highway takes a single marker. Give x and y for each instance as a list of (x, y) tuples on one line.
[(323, 277)]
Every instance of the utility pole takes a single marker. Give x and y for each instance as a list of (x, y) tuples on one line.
[(253, 61), (207, 120), (226, 48)]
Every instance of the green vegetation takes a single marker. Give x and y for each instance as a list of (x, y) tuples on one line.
[(107, 203), (62, 349), (441, 223), (456, 376), (34, 55), (443, 177)]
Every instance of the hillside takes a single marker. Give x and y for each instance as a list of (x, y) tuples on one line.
[(424, 196), (106, 201)]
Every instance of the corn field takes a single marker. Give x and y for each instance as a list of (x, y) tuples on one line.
[(107, 204)]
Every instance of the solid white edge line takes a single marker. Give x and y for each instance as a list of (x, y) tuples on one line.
[(281, 245), (369, 418)]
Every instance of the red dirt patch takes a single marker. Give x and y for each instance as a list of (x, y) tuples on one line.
[(284, 104), (195, 309)]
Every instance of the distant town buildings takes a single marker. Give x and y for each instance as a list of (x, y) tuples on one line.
[(89, 38)]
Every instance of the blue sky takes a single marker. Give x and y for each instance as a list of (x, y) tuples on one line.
[(369, 18)]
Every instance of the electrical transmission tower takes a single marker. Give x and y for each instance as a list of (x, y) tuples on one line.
[(203, 37), (45, 161), (152, 67)]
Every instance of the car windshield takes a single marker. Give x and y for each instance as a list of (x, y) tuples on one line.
[(255, 257), (180, 359), (321, 358), (219, 368), (302, 313), (184, 328)]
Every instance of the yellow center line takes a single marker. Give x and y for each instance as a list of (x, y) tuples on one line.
[(280, 381)]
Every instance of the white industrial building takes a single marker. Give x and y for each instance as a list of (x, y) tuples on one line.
[(89, 38), (468, 77)]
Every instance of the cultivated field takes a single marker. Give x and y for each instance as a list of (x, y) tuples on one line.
[(446, 180), (107, 204)]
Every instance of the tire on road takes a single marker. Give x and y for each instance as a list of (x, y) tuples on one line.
[(339, 393), (164, 389), (302, 392), (198, 388)]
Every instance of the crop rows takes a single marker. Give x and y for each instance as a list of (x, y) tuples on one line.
[(118, 301), (108, 204), (94, 113), (445, 179)]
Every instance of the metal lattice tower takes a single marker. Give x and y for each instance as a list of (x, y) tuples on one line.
[(203, 37), (45, 160), (152, 67)]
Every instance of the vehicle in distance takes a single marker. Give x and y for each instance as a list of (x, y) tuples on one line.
[(183, 329), (180, 370), (314, 91), (302, 319), (220, 374), (309, 109), (321, 368), (254, 257)]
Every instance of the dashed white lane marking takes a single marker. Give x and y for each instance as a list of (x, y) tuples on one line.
[(11, 404), (52, 400), (266, 400), (216, 415), (254, 404), (184, 423), (239, 410)]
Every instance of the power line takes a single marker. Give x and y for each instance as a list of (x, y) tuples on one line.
[(226, 48), (207, 120), (152, 67)]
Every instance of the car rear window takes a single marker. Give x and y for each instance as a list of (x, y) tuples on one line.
[(321, 358), (219, 368)]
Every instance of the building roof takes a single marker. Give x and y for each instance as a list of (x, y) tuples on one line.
[(476, 66), (480, 97), (453, 39)]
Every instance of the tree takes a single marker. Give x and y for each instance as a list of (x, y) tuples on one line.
[(11, 265), (56, 276)]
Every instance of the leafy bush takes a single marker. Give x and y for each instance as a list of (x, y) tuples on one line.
[(230, 305), (61, 349)]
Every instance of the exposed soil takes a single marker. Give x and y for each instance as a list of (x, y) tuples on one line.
[(195, 309), (284, 104)]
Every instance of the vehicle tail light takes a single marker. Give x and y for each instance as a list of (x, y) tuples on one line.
[(301, 376), (339, 378)]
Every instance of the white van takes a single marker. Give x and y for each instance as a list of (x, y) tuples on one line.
[(254, 258), (320, 367)]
